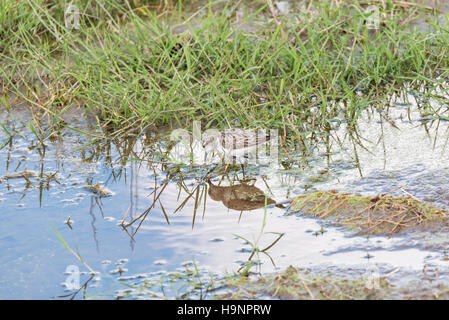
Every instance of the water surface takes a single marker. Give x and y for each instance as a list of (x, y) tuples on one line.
[(192, 220)]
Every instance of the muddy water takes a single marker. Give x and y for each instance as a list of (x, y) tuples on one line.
[(149, 219)]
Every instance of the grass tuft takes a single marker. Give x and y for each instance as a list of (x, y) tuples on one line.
[(370, 215)]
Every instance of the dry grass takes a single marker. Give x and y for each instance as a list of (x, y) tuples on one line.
[(371, 215)]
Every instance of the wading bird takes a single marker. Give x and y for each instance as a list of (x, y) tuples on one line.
[(234, 142)]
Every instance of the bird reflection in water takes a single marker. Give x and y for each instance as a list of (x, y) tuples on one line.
[(241, 197)]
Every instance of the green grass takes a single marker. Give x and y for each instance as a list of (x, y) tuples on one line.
[(128, 66)]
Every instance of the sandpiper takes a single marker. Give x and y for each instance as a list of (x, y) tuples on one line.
[(234, 141)]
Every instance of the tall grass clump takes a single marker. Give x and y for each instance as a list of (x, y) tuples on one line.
[(130, 65)]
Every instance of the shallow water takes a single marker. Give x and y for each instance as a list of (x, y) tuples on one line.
[(248, 16), (401, 148)]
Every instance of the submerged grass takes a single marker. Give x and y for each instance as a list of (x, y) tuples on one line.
[(371, 215), (128, 64), (298, 284), (293, 284)]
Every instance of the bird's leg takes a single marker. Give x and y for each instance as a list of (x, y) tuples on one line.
[(207, 177), (224, 160)]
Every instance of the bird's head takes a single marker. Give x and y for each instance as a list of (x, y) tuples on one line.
[(209, 143)]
